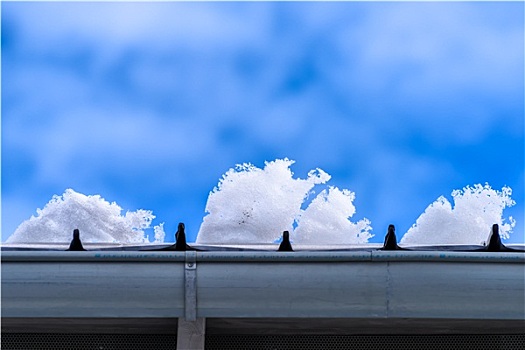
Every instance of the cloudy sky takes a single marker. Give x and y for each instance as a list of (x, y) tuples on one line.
[(148, 104)]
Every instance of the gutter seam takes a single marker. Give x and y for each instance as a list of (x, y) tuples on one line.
[(190, 286)]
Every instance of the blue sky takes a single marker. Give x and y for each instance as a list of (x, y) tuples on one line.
[(148, 104)]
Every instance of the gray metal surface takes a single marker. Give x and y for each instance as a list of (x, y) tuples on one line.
[(92, 289), (455, 290), (190, 286), (259, 256), (362, 284), (299, 289), (191, 334)]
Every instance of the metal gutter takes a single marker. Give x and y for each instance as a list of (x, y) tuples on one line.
[(356, 284), (262, 256)]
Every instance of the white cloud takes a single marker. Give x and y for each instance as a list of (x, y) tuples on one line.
[(444, 57), (447, 44), (116, 27)]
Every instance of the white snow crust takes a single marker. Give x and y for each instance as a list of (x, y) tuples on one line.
[(475, 210), (252, 205), (326, 220), (98, 221)]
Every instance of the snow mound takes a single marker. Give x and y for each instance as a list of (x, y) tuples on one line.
[(326, 220), (475, 210), (98, 221), (252, 205)]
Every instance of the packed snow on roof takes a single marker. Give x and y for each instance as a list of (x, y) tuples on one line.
[(98, 221), (252, 205), (475, 210)]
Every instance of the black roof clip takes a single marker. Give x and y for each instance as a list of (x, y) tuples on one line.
[(391, 240), (76, 244), (180, 243), (285, 245), (494, 243)]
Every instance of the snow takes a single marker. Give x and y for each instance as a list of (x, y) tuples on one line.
[(98, 221), (475, 210), (252, 205), (326, 220)]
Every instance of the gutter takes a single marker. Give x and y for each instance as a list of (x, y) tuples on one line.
[(372, 284)]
